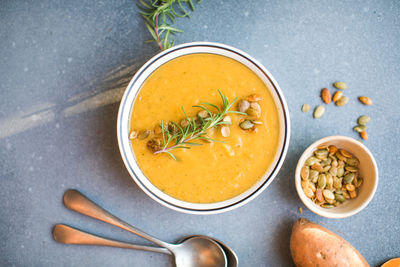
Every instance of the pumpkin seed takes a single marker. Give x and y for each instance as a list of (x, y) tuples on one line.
[(342, 101), (321, 153), (317, 167), (309, 193), (225, 131), (143, 134), (351, 169), (305, 172), (337, 183), (203, 114), (318, 112), (327, 168), (337, 96), (348, 178), (327, 206), (312, 186), (133, 135), (364, 135), (154, 144), (304, 184), (345, 153), (340, 198), (319, 196), (254, 98), (340, 172), (183, 123), (365, 100), (326, 162), (360, 128), (322, 181), (246, 125), (243, 105), (227, 119), (350, 187), (353, 194), (305, 108), (352, 162), (311, 161), (326, 96), (328, 194), (359, 182), (332, 150), (363, 120), (341, 85), (313, 176), (254, 110), (333, 171), (346, 195), (257, 122), (341, 157), (329, 181)]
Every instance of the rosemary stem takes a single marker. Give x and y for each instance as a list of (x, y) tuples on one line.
[(158, 36)]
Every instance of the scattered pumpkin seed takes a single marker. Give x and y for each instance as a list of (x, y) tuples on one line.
[(365, 100), (318, 112), (301, 210), (341, 85), (364, 135), (203, 114), (342, 101), (154, 144), (257, 122), (225, 131), (243, 105), (360, 128), (254, 98), (363, 120), (254, 110), (326, 96), (337, 96), (246, 125), (305, 108), (133, 135), (143, 134)]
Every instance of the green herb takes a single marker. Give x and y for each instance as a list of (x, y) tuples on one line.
[(159, 15), (196, 130)]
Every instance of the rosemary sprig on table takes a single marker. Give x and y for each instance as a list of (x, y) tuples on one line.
[(195, 130), (159, 15)]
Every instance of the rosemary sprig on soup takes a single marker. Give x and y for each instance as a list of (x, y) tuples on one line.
[(189, 130)]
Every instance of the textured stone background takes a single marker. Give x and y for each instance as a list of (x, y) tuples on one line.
[(64, 65)]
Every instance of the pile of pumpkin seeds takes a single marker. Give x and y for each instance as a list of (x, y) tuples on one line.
[(340, 100), (331, 176)]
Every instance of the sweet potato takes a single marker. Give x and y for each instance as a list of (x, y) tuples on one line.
[(314, 245)]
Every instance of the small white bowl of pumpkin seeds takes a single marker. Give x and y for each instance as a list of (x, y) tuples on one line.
[(336, 177)]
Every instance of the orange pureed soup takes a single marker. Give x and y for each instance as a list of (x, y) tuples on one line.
[(213, 171)]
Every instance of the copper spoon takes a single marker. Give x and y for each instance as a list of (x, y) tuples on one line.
[(196, 251)]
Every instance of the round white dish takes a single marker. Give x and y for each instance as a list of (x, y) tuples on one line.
[(124, 117)]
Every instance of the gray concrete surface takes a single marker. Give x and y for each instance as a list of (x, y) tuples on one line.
[(63, 68)]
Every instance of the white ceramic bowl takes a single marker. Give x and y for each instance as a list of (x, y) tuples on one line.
[(124, 117), (368, 171)]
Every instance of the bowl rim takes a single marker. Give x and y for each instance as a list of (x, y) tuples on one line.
[(328, 213), (206, 209)]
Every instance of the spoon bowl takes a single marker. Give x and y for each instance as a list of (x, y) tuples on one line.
[(231, 256)]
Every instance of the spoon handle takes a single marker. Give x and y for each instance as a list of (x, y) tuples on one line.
[(76, 201), (68, 235)]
